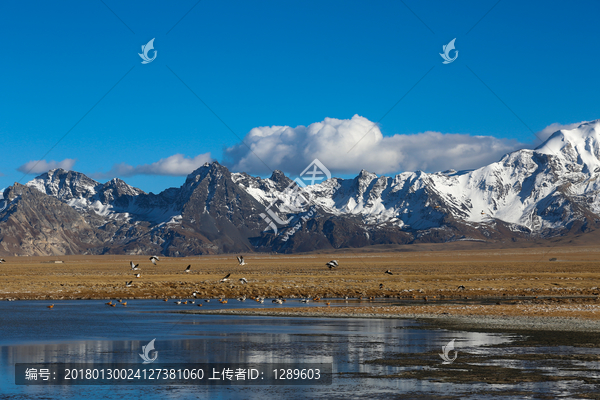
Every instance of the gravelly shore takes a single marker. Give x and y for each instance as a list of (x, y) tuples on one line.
[(481, 322)]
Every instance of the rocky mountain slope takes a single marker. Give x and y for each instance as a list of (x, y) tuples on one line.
[(546, 192)]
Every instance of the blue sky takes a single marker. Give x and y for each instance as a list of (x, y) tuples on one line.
[(270, 63)]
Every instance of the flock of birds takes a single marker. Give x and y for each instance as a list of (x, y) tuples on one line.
[(188, 269), (155, 259)]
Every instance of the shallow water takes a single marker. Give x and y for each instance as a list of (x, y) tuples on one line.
[(88, 331)]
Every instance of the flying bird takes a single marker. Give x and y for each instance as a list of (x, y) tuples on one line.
[(225, 279), (134, 267), (389, 272), (188, 268), (332, 264), (154, 259), (194, 294), (241, 260), (461, 287), (2, 260), (381, 286), (128, 284), (243, 281), (138, 275)]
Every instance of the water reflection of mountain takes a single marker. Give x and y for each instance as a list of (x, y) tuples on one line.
[(343, 342)]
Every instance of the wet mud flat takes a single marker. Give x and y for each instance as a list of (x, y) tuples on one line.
[(547, 357), (529, 366)]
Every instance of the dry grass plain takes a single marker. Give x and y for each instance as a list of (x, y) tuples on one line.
[(431, 274)]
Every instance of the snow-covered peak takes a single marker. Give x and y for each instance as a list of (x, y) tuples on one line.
[(580, 145), (65, 185), (365, 175)]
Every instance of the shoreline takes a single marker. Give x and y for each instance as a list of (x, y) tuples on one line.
[(488, 323)]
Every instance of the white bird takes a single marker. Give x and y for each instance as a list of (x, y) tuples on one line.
[(193, 302), (243, 298), (332, 264), (134, 267), (241, 260), (138, 275), (178, 302), (154, 259), (2, 260), (225, 279), (305, 300), (243, 281), (188, 268), (207, 300), (278, 301), (128, 284), (195, 294)]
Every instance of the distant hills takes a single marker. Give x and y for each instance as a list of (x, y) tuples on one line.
[(547, 192)]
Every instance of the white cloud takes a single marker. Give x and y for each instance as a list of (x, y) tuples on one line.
[(332, 140), (550, 129), (42, 166), (175, 165)]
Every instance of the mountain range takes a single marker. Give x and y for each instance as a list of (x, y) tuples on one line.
[(547, 192)]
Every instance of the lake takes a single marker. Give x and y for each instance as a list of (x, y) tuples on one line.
[(88, 331)]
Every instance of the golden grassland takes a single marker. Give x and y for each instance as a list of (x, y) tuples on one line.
[(517, 281), (425, 276)]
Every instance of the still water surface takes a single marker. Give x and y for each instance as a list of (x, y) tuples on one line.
[(89, 331)]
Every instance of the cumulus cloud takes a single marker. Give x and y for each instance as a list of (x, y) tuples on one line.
[(349, 145), (41, 166), (550, 129), (175, 165)]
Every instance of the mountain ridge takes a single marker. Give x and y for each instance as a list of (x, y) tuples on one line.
[(552, 190)]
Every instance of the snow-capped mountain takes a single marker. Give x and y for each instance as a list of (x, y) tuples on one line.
[(544, 191), (548, 191)]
